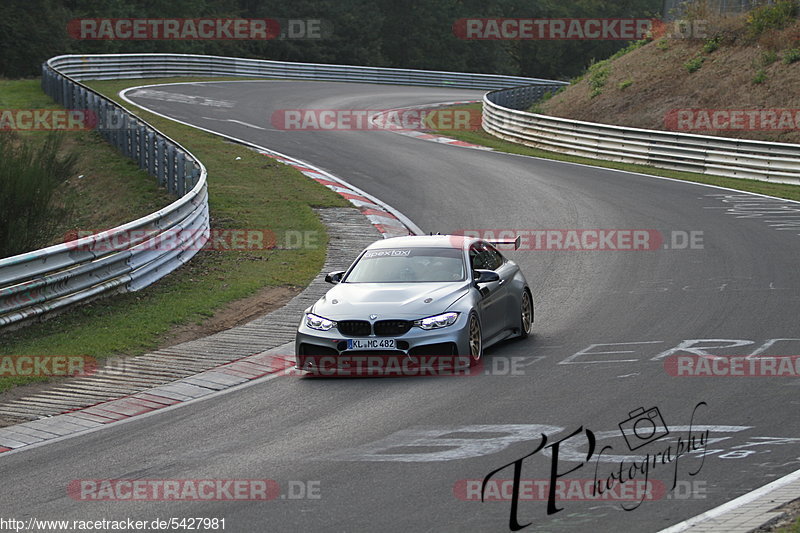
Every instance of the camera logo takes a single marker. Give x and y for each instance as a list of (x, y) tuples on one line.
[(643, 427)]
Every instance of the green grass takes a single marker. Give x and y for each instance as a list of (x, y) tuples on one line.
[(254, 192), (24, 94), (792, 528), (791, 192)]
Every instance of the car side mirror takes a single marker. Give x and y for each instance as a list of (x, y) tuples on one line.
[(485, 276), (334, 277)]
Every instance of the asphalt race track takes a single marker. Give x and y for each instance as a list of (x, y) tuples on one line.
[(406, 453)]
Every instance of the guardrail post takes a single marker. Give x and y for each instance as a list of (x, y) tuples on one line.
[(171, 169), (135, 140), (81, 104), (180, 181), (113, 125), (68, 96), (126, 136), (151, 153), (61, 91), (117, 133), (160, 158), (116, 128), (119, 120), (142, 147), (105, 123)]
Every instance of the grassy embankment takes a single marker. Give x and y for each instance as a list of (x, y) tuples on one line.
[(750, 61)]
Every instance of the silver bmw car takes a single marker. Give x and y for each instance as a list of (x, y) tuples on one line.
[(438, 295)]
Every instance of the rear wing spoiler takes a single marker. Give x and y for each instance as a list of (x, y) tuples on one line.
[(515, 242)]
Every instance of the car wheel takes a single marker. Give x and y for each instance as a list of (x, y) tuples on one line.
[(526, 314), (475, 339)]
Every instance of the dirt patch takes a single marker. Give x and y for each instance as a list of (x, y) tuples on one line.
[(234, 314)]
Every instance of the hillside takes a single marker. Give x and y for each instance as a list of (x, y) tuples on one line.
[(747, 62)]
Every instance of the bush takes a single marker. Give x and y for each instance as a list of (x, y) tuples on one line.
[(769, 57), (791, 55), (29, 175), (760, 77), (771, 16), (625, 84), (598, 74), (694, 64), (712, 44)]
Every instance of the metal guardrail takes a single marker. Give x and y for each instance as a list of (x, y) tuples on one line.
[(132, 256), (107, 67), (719, 156)]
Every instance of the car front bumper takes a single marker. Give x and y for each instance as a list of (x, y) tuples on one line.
[(313, 346)]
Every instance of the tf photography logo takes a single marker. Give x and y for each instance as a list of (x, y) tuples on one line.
[(641, 428)]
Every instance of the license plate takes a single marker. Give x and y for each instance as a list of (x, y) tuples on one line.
[(370, 344)]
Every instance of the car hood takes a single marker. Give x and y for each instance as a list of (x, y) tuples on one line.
[(388, 300)]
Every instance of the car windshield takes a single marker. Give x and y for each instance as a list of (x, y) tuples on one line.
[(408, 265)]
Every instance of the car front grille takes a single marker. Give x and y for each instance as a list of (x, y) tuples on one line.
[(387, 328), (354, 328)]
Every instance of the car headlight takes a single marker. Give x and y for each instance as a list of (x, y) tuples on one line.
[(319, 323), (438, 321)]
